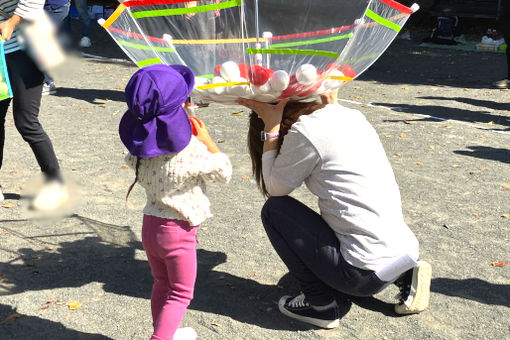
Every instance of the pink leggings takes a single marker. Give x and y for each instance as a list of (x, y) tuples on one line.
[(171, 250)]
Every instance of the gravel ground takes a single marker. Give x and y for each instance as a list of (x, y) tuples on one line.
[(446, 133)]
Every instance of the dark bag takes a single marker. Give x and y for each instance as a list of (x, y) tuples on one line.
[(444, 32)]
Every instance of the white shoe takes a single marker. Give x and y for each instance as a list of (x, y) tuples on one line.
[(85, 42), (52, 196), (415, 289), (186, 333), (1, 194)]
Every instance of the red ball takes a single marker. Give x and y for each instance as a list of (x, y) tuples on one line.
[(308, 89), (333, 66), (293, 88), (259, 75), (244, 69), (217, 71), (348, 71)]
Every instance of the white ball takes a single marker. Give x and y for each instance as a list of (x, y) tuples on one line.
[(306, 74), (279, 81), (230, 71), (240, 90), (220, 89), (267, 97), (329, 83), (265, 88)]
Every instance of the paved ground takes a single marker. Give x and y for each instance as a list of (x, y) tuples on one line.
[(446, 133)]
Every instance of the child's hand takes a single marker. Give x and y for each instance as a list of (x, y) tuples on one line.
[(202, 135)]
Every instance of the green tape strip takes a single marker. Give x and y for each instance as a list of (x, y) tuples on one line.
[(379, 19), (363, 58), (185, 10), (207, 76), (292, 51), (148, 62), (310, 42), (145, 47)]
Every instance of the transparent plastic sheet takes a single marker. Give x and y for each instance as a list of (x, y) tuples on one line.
[(5, 84), (260, 49)]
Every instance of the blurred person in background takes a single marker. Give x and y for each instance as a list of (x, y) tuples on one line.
[(83, 13), (27, 82), (57, 10), (504, 23)]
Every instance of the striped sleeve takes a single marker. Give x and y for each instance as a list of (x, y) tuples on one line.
[(29, 9)]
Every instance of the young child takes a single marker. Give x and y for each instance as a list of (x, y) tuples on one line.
[(172, 165)]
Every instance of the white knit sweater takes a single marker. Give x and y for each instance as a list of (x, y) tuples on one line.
[(175, 184)]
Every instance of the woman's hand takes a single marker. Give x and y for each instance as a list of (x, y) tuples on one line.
[(202, 134), (270, 114), (8, 26), (330, 97)]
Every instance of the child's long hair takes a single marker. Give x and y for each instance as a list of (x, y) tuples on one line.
[(291, 113), (136, 177)]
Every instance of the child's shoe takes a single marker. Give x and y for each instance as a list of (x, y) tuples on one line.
[(186, 333), (414, 289), (52, 196), (502, 84), (298, 308)]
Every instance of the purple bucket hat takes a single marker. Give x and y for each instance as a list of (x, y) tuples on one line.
[(155, 123)]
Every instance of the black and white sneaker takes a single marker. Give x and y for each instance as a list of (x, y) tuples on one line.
[(298, 308), (414, 289)]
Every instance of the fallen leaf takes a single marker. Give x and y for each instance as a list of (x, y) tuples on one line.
[(388, 136), (125, 166), (245, 177), (8, 205), (476, 214), (398, 154), (11, 318), (217, 324), (505, 215), (407, 122), (455, 166), (432, 147), (483, 169), (403, 135), (74, 305), (13, 171), (418, 163), (499, 263), (4, 233), (506, 187), (238, 113), (204, 228), (102, 105)]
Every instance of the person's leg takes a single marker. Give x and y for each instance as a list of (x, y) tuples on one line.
[(83, 13), (311, 251), (57, 17), (171, 250), (4, 105), (26, 82)]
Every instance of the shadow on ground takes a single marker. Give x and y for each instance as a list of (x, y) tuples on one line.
[(92, 96), (16, 326)]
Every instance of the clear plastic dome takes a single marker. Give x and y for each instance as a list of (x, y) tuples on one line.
[(260, 49)]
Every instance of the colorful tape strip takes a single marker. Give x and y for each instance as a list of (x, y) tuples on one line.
[(185, 10), (397, 6), (148, 62), (136, 3), (210, 86), (145, 47), (385, 22), (137, 35), (114, 16), (311, 42), (326, 54), (342, 78)]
